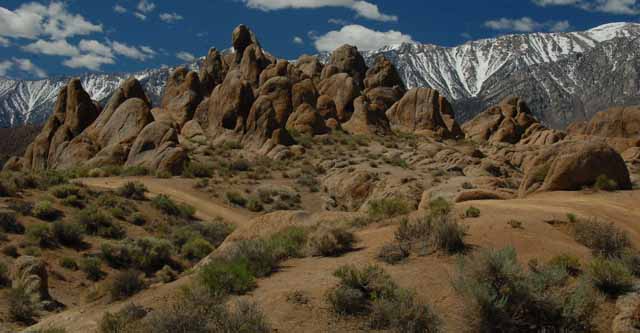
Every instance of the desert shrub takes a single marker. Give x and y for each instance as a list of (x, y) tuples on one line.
[(572, 218), (68, 233), (288, 243), (298, 297), (7, 189), (9, 223), (502, 297), (132, 190), (50, 330), (44, 210), (235, 198), (21, 306), (329, 242), (138, 219), (40, 234), (10, 251), (358, 287), (215, 232), (403, 313), (135, 170), (254, 205), (631, 259), (121, 321), (196, 248), (69, 263), (309, 181), (65, 190), (73, 201), (602, 238), (125, 284), (91, 267), (198, 170), (610, 276), (567, 262), (393, 253), (472, 212), (604, 183), (515, 224), (437, 232), (241, 165), (147, 254), (387, 208), (21, 207), (440, 206), (221, 277), (31, 250), (170, 207), (96, 222), (167, 274), (4, 275), (259, 255)]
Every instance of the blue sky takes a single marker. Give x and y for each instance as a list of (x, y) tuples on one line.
[(44, 38)]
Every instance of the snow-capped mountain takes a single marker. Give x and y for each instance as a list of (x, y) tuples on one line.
[(563, 76)]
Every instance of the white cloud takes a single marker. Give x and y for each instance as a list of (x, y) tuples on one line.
[(4, 42), (146, 6), (298, 40), (362, 37), (170, 17), (130, 51), (620, 7), (140, 16), (27, 66), (56, 48), (5, 66), (148, 50), (526, 24), (186, 56), (362, 8), (95, 47), (338, 21), (32, 20), (90, 61), (119, 9)]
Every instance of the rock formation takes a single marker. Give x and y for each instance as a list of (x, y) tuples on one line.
[(30, 273), (619, 127)]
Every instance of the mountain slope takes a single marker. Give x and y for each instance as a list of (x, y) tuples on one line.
[(555, 72)]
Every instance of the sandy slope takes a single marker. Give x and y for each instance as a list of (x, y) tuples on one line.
[(430, 276)]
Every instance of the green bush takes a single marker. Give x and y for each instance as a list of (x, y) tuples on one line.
[(125, 284), (10, 251), (472, 212), (44, 210), (169, 207), (611, 277), (167, 274), (259, 254), (91, 267), (41, 235), (4, 275), (329, 242), (439, 232), (602, 238), (241, 165), (358, 287), (567, 262), (134, 171), (221, 277), (501, 297), (138, 219), (21, 306), (69, 263), (288, 243), (132, 190), (96, 222), (604, 183), (235, 198), (393, 253), (214, 232), (196, 249), (440, 206), (198, 170), (123, 320), (68, 233), (65, 190), (146, 254), (254, 205), (403, 313), (73, 201), (387, 208), (9, 223)]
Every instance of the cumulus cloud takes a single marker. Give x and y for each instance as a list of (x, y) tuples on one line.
[(95, 47), (128, 51), (57, 48), (338, 21), (5, 66), (119, 9), (90, 61), (298, 40), (148, 50), (362, 37), (140, 16), (362, 8), (620, 7), (171, 17), (29, 67), (186, 56), (526, 24), (146, 6), (4, 42)]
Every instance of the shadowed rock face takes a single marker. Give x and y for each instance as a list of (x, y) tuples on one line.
[(182, 96), (619, 127)]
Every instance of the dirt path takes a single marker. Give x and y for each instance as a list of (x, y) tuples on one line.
[(181, 190)]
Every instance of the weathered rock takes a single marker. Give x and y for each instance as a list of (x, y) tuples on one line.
[(156, 148), (182, 95), (619, 126), (421, 111), (241, 38), (343, 90), (278, 69), (366, 120), (309, 66), (230, 103), (212, 72), (383, 74), (348, 60), (571, 165), (270, 110), (80, 109), (125, 124), (382, 98), (479, 194), (306, 120), (30, 273), (304, 92), (326, 107), (254, 61)]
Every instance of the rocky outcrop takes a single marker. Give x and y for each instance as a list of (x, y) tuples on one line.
[(343, 90), (572, 165), (309, 66), (182, 95), (270, 111), (156, 148), (212, 71), (230, 103), (347, 59), (367, 120), (424, 111), (383, 74), (619, 127), (306, 120)]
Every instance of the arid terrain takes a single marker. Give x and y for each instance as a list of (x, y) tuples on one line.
[(271, 196)]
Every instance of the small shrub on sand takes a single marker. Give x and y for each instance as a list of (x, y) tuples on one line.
[(330, 242), (125, 284), (472, 212), (387, 208), (132, 190), (44, 210), (603, 239), (21, 306), (610, 276), (604, 183)]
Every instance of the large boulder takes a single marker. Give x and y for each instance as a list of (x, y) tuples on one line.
[(619, 126), (347, 59), (125, 123), (424, 111), (383, 74), (253, 62), (270, 110), (306, 120), (230, 103), (304, 92), (212, 72), (182, 95), (81, 111), (366, 120), (309, 66), (156, 148), (343, 90), (572, 165)]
